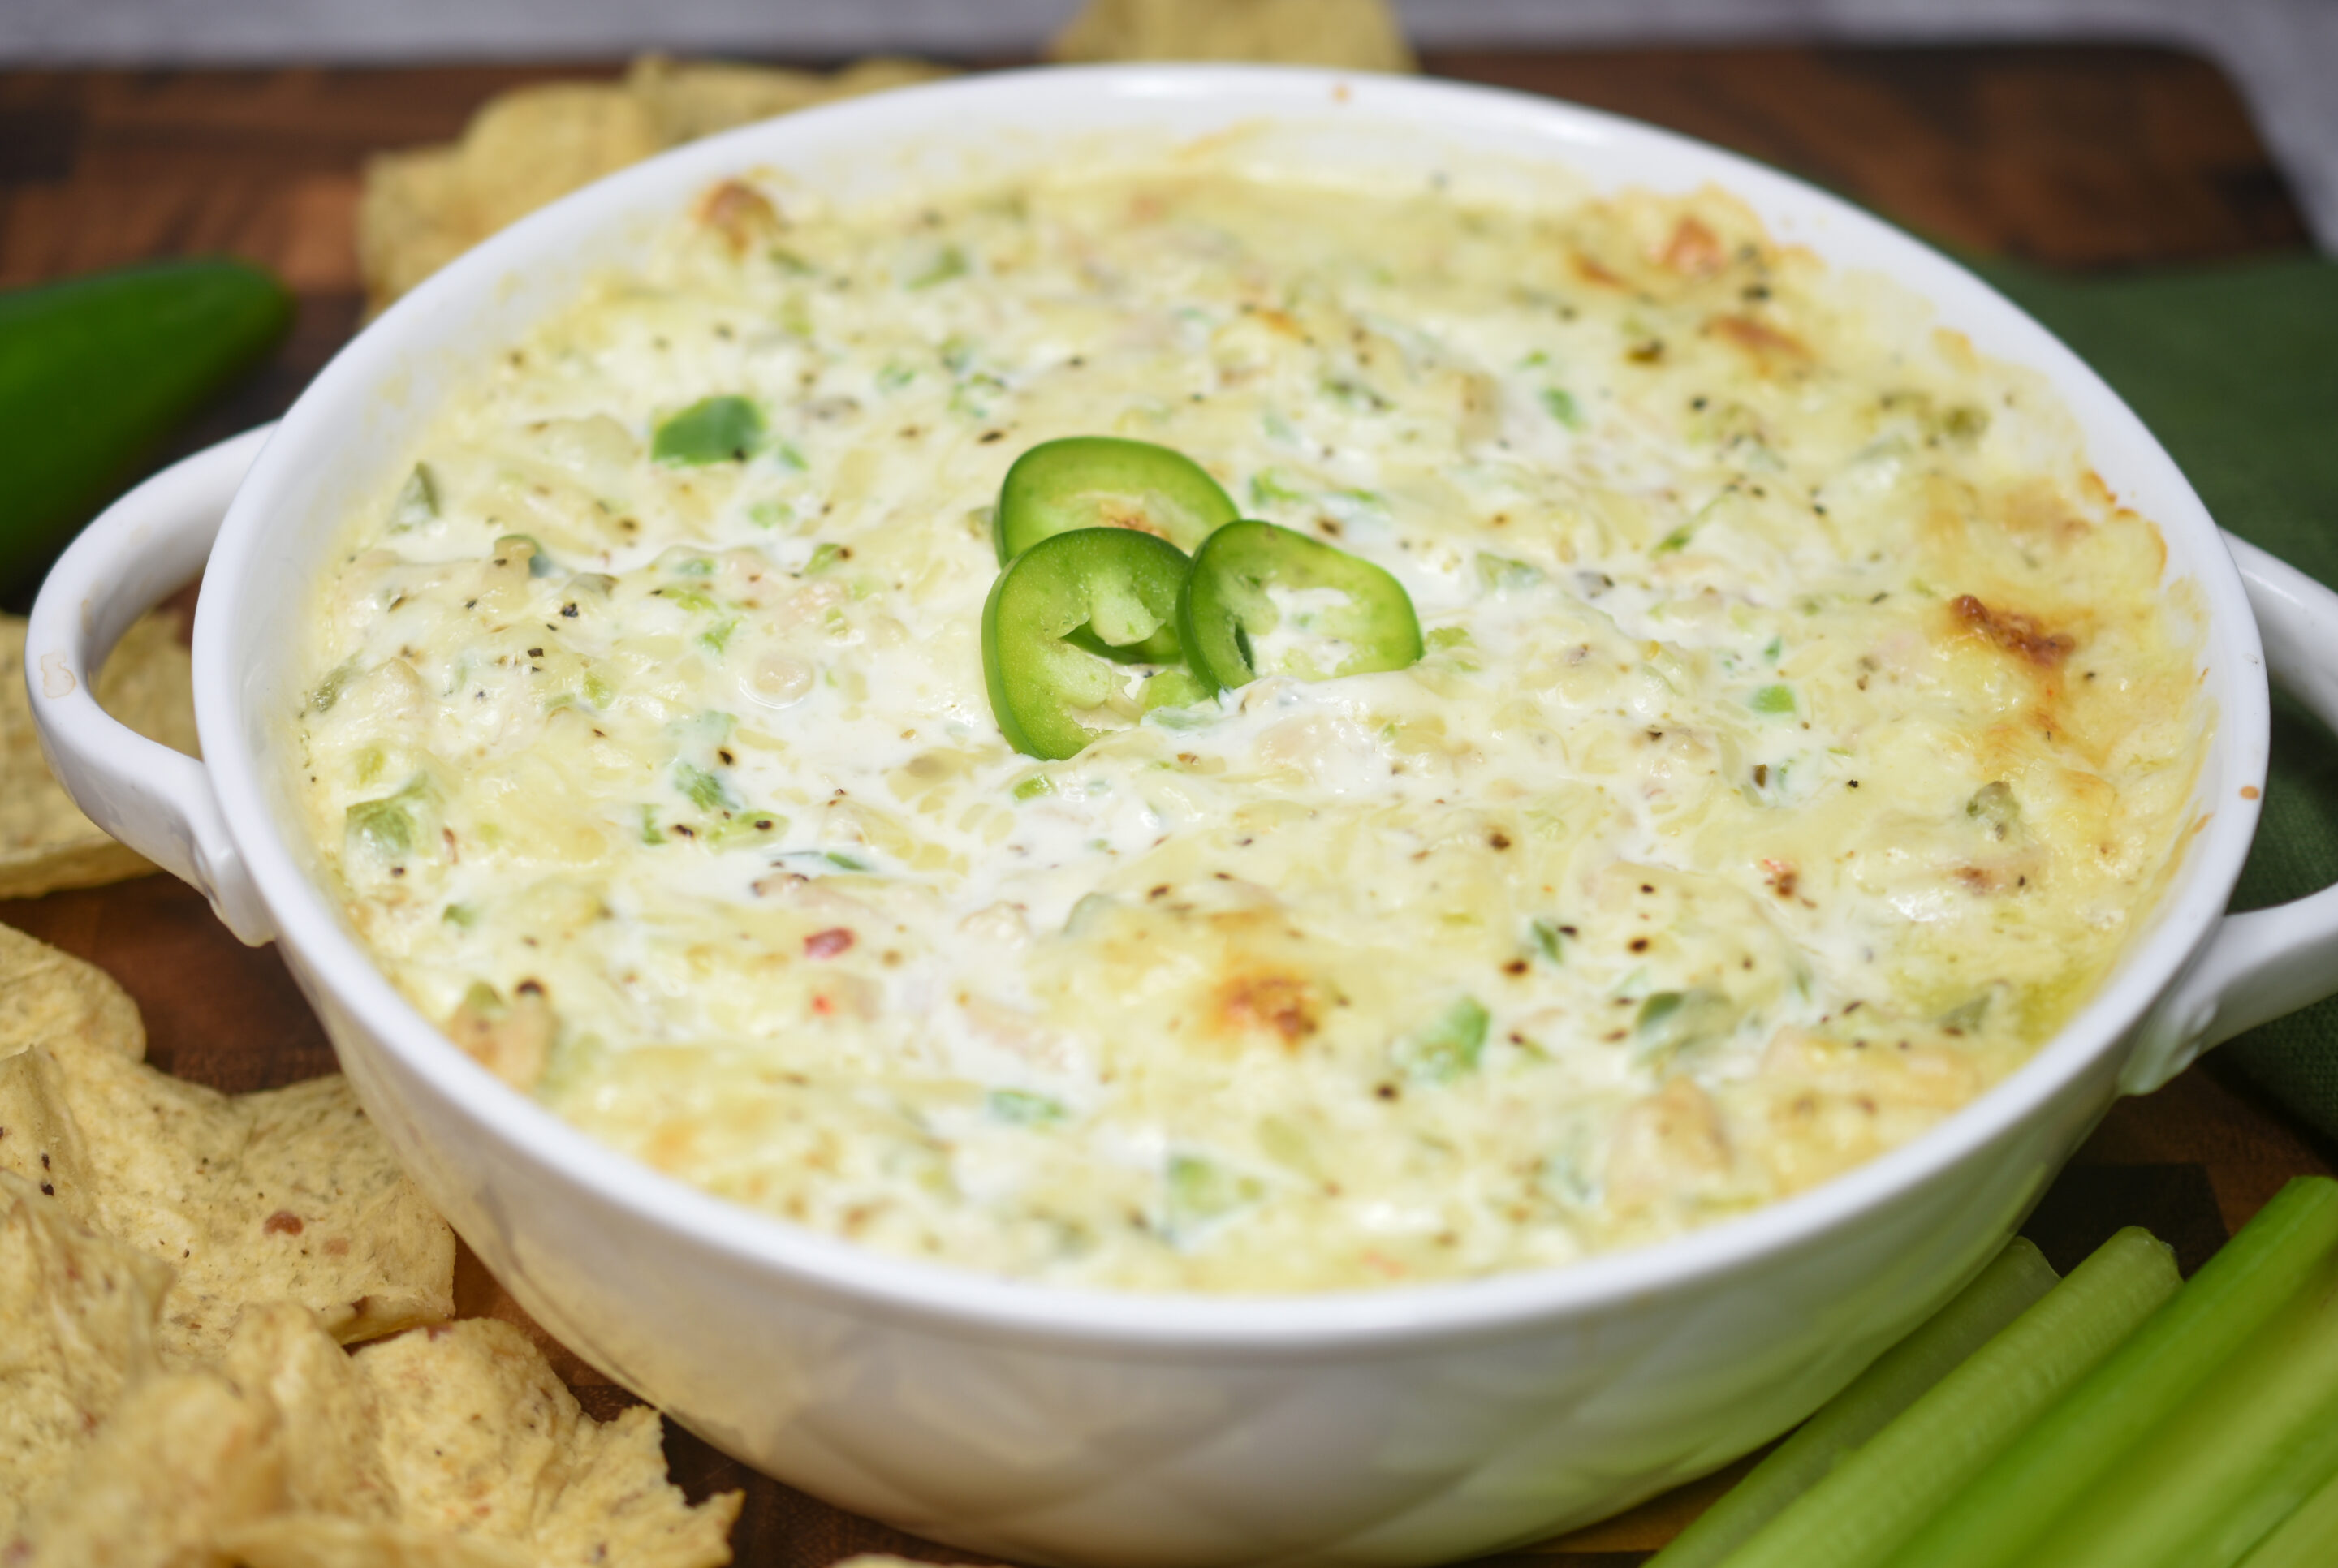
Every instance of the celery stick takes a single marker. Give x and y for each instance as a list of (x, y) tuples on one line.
[(1996, 1522), (2250, 1445), (2305, 1538), (1880, 1495), (2009, 1286)]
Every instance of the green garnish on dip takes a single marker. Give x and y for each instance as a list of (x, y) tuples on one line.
[(1107, 482), (1256, 600), (1261, 600), (723, 429), (1117, 586)]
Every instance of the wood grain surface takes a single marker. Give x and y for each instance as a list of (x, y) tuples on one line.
[(2085, 157)]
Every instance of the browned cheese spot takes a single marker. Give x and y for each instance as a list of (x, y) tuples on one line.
[(738, 214), (1693, 251), (1766, 344), (2015, 632), (1284, 1004)]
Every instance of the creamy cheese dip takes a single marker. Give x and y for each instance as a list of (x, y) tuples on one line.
[(1802, 730)]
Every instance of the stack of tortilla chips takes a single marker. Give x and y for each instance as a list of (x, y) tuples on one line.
[(179, 1272), (424, 207)]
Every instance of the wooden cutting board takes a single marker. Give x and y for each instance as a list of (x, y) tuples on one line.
[(2086, 157)]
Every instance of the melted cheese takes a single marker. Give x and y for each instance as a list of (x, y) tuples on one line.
[(1803, 731)]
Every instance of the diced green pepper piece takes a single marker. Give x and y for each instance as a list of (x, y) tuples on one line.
[(1022, 1108), (1361, 618), (387, 827), (525, 545), (1202, 1189), (1994, 806), (1449, 1045), (1270, 488), (705, 791), (1657, 1010), (725, 429), (1118, 585), (1772, 699), (417, 500), (1501, 575), (329, 691), (1107, 482), (1446, 637), (384, 827), (945, 264)]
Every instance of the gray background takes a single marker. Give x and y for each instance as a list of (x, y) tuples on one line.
[(2283, 53)]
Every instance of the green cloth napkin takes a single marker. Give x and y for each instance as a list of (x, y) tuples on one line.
[(2235, 370)]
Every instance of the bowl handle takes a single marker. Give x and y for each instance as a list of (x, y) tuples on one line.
[(2267, 962), (157, 801)]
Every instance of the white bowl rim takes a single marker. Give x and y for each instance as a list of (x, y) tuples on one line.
[(1312, 1325)]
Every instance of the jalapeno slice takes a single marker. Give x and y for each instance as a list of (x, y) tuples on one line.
[(1112, 588), (1105, 482), (1260, 600)]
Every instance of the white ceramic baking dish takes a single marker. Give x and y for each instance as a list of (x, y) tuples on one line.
[(1395, 1427)]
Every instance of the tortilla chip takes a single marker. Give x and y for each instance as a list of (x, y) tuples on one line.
[(450, 1447), (287, 1195), (49, 995), (524, 147), (480, 1437), (325, 1217), (1349, 34), (153, 1150), (321, 1541), (185, 1457), (453, 1447), (238, 1237), (40, 1142), (76, 1329), (45, 843), (423, 208), (412, 220), (327, 1411), (690, 99), (534, 145), (619, 1507)]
